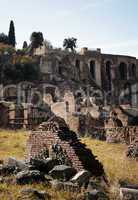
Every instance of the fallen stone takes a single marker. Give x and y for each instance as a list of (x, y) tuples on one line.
[(128, 194), (132, 150), (98, 184), (6, 170), (32, 194), (62, 172), (43, 165), (25, 177), (81, 178), (1, 180), (96, 195), (66, 186), (18, 164)]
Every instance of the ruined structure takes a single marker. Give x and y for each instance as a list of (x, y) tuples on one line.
[(93, 92), (55, 133), (117, 75)]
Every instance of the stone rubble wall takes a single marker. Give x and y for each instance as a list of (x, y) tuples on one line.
[(122, 134)]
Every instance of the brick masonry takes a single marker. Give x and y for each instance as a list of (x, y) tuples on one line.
[(56, 133)]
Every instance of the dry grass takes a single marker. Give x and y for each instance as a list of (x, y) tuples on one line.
[(12, 143), (12, 192), (116, 166)]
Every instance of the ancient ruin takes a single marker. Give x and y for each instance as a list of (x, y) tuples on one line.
[(61, 143)]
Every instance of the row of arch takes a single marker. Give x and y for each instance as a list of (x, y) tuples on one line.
[(123, 70)]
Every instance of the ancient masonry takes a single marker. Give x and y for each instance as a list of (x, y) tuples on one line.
[(56, 132)]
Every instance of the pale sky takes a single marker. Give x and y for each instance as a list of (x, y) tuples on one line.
[(111, 25)]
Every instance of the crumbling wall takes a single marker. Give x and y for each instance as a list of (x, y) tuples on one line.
[(122, 134), (57, 132)]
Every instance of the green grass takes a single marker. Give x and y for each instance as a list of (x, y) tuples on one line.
[(116, 165)]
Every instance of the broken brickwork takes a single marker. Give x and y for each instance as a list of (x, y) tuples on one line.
[(56, 132)]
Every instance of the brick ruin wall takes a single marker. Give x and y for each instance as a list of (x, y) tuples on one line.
[(45, 139), (80, 157)]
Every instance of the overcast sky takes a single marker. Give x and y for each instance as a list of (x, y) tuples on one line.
[(111, 25)]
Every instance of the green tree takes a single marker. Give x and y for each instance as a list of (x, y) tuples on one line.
[(25, 45), (4, 38), (11, 36), (36, 40), (70, 43)]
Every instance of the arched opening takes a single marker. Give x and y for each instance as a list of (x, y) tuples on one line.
[(67, 106), (127, 93), (108, 73), (59, 68), (78, 64), (92, 68), (123, 71), (133, 71)]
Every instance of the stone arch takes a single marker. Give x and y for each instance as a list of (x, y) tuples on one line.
[(59, 68), (77, 64), (127, 93), (132, 71), (108, 66), (92, 68), (123, 71), (67, 106), (58, 65)]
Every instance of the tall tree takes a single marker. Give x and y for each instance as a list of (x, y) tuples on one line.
[(25, 45), (12, 39), (36, 40), (70, 43)]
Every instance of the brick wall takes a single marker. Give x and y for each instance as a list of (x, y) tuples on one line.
[(52, 133)]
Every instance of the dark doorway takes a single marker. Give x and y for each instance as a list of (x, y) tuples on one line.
[(108, 73), (92, 68), (133, 71), (123, 71)]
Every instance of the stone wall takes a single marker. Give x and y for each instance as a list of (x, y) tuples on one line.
[(122, 134)]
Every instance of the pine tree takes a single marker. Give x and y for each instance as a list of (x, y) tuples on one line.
[(25, 45), (12, 39)]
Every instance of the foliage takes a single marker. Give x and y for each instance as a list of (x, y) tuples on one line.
[(11, 36), (6, 49), (70, 43), (25, 45), (26, 71), (36, 40), (48, 44), (4, 38)]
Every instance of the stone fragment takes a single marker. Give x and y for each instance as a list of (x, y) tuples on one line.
[(43, 165), (96, 195), (62, 172), (18, 164), (128, 194), (66, 186), (32, 176), (81, 178)]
